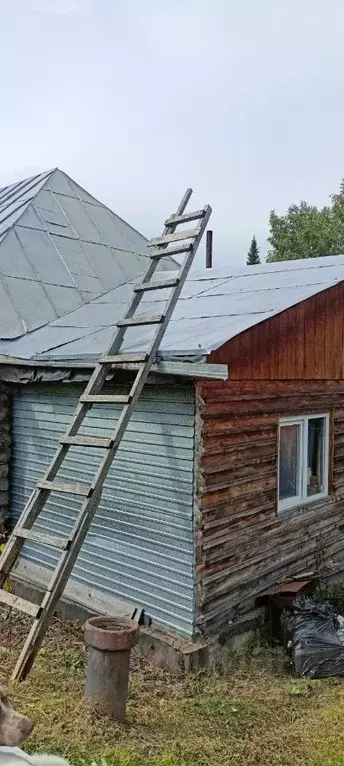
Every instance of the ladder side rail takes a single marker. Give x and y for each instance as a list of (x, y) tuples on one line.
[(38, 496)]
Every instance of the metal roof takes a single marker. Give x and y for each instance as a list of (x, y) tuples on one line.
[(59, 249), (14, 199), (214, 307)]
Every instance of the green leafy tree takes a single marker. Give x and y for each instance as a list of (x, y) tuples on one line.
[(253, 253), (308, 232)]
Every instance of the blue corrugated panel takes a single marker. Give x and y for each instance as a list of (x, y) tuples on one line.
[(140, 545)]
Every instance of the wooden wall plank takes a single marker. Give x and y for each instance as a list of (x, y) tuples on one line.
[(319, 336), (304, 342), (310, 324), (281, 358), (335, 324), (299, 330)]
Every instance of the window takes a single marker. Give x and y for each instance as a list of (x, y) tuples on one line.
[(303, 460)]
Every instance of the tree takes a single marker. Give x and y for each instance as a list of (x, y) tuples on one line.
[(253, 253), (308, 232)]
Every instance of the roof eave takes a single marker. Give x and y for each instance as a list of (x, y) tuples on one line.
[(187, 366)]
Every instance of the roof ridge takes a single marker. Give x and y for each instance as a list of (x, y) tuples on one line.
[(27, 179), (102, 204), (42, 239), (22, 206)]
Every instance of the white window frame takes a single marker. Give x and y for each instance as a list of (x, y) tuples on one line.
[(302, 498)]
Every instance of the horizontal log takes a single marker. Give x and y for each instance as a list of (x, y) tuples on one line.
[(239, 490), (253, 500), (276, 405), (241, 462), (226, 442), (270, 535), (338, 431), (235, 527), (239, 455), (210, 388), (299, 519), (219, 581), (257, 469), (262, 567), (244, 591), (247, 423), (237, 513)]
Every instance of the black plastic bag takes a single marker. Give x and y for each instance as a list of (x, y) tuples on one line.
[(312, 635)]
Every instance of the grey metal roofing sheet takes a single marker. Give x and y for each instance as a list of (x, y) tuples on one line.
[(59, 249), (214, 306), (16, 197)]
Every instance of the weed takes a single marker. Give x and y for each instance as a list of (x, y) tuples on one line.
[(252, 715)]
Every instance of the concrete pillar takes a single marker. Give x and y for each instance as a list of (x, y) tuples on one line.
[(109, 641)]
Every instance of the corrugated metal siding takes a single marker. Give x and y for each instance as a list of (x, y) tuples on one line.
[(140, 545)]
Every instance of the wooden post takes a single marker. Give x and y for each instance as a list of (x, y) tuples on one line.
[(209, 250)]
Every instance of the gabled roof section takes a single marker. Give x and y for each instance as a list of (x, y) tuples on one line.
[(214, 307), (60, 248)]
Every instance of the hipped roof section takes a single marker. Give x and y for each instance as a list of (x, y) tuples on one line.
[(60, 248), (215, 306)]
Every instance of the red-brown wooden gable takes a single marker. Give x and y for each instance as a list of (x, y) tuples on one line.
[(303, 342)]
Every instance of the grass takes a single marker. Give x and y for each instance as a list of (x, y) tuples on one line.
[(254, 715)]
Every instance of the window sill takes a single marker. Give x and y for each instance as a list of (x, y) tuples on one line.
[(304, 505)]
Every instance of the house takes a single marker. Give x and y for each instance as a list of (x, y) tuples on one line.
[(230, 477)]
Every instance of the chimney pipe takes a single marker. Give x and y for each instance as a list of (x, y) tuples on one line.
[(209, 250)]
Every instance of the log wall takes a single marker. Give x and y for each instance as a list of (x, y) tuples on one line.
[(243, 546)]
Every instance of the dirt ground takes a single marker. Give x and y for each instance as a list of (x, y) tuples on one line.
[(254, 714)]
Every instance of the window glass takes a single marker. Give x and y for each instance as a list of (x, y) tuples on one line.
[(315, 467), (289, 461)]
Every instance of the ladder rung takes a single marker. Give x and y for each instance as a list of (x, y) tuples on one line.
[(42, 538), (174, 220), (19, 603), (124, 359), (135, 321), (165, 283), (177, 236), (104, 399), (86, 441), (171, 242), (69, 489), (176, 250)]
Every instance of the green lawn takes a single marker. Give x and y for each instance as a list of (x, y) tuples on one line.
[(255, 714)]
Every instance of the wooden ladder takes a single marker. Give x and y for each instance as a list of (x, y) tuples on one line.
[(174, 241)]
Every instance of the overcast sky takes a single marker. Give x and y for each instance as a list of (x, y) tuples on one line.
[(138, 99)]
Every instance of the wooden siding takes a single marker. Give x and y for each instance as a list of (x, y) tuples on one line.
[(304, 342), (243, 547)]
